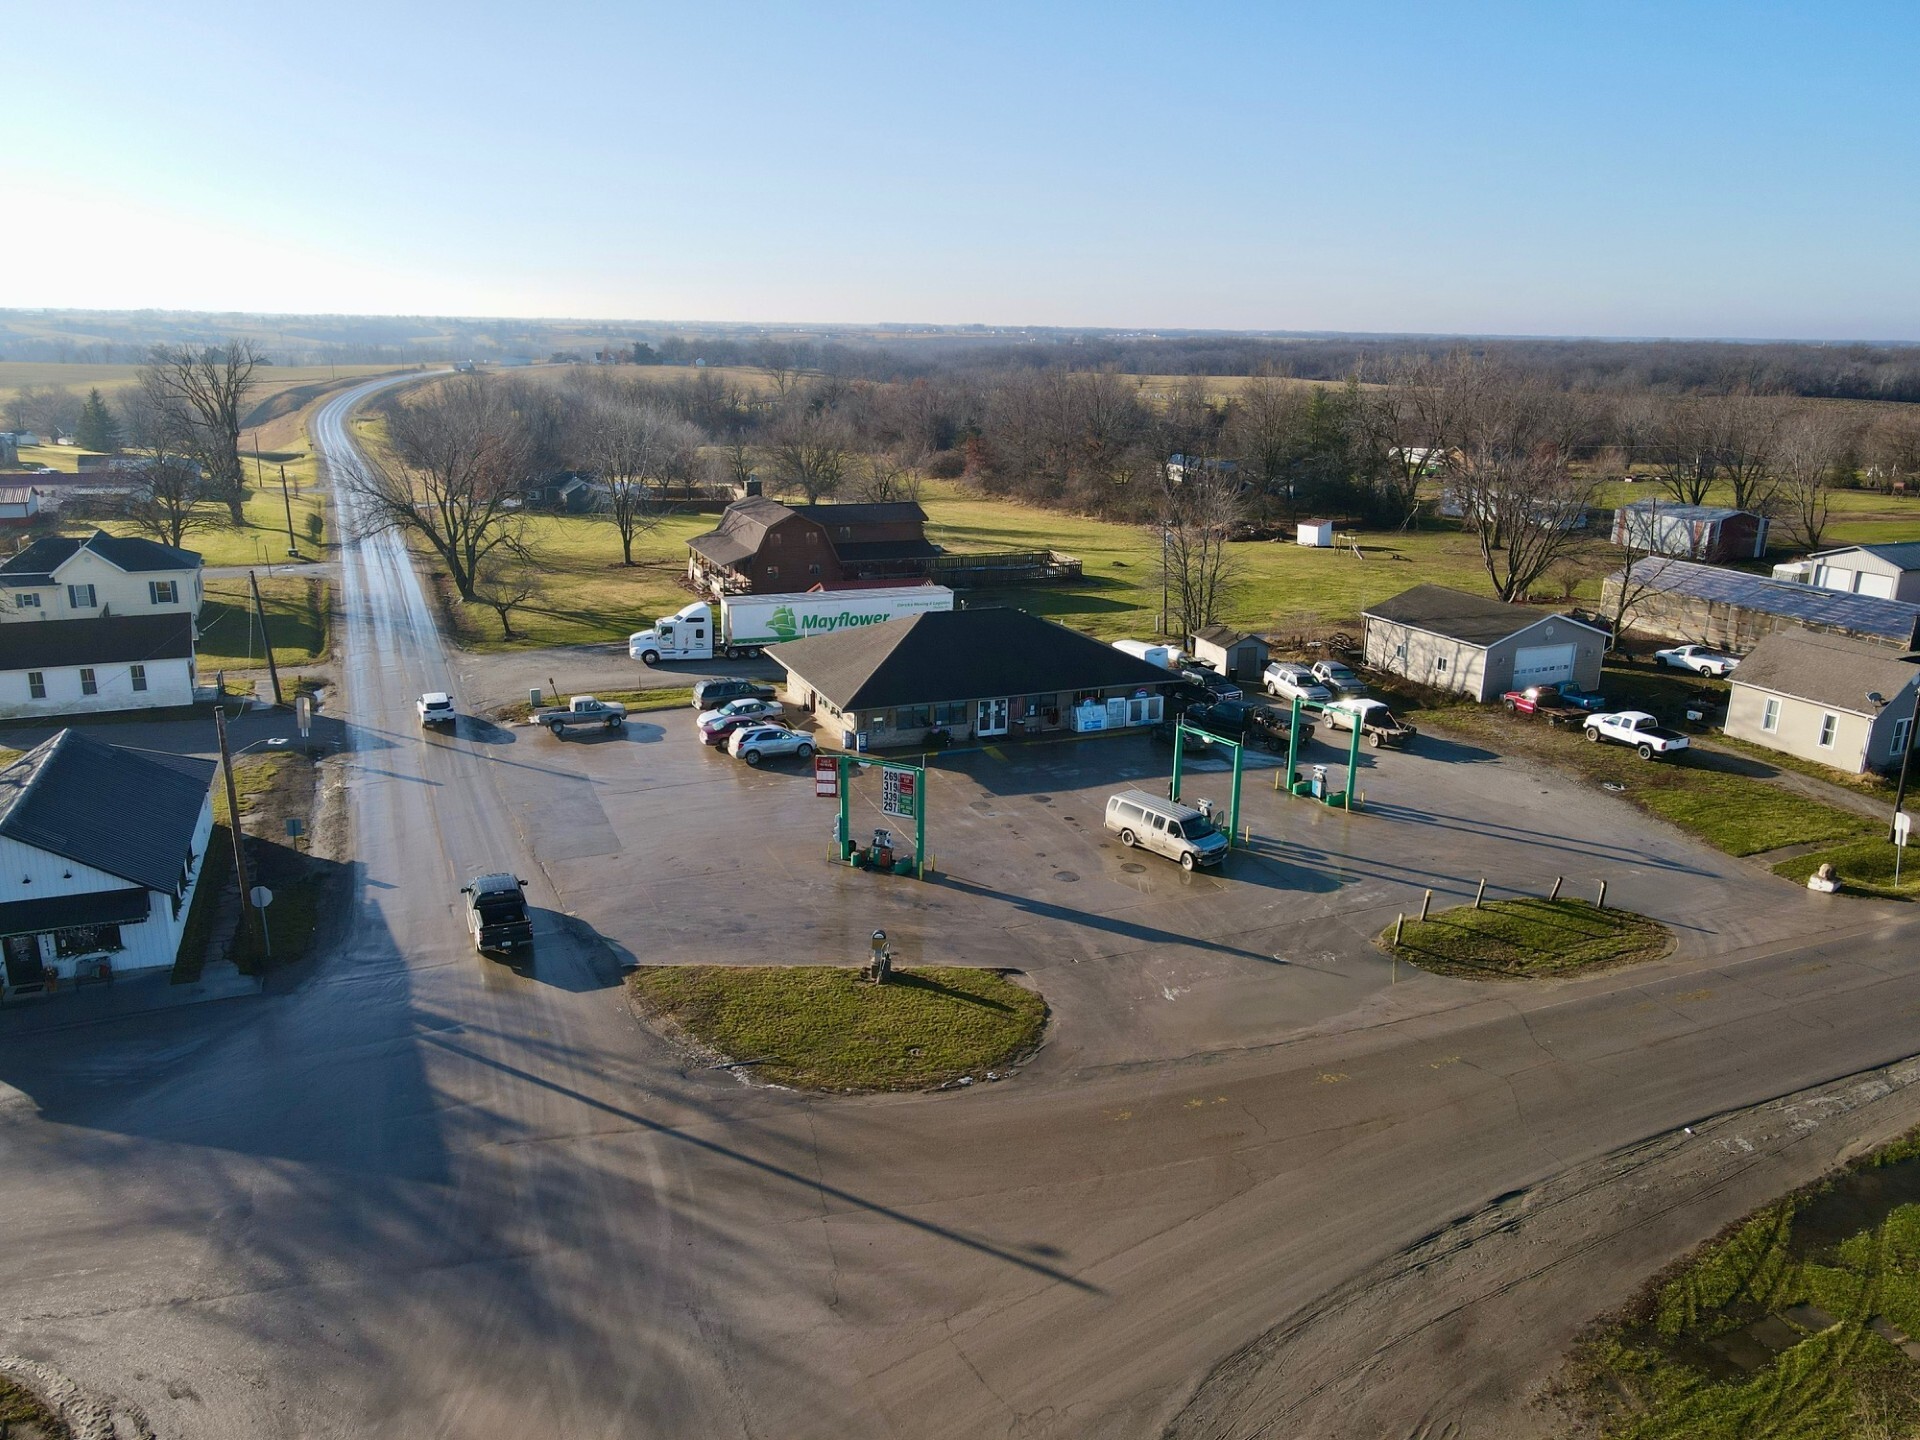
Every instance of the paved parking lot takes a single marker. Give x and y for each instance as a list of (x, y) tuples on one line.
[(676, 853)]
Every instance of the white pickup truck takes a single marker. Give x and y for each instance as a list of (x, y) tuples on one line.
[(1638, 729), (583, 710)]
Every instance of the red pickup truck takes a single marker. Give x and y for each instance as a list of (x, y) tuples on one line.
[(1545, 701)]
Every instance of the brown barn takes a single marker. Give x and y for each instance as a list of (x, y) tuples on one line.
[(764, 547)]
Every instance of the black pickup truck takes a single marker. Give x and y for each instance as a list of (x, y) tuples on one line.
[(1259, 725), (497, 913)]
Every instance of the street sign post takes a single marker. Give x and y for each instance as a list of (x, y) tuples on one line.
[(1902, 824), (262, 897)]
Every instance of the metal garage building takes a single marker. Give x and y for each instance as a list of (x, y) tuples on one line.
[(1479, 647)]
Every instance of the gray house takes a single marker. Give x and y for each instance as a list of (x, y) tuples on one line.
[(1477, 646), (1812, 695)]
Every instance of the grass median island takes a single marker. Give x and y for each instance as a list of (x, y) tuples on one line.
[(1527, 939), (674, 697), (1865, 867), (823, 1027), (1797, 1323)]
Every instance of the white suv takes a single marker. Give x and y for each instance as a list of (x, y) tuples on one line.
[(754, 743), (1295, 682)]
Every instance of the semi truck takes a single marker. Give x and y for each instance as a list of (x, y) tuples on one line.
[(747, 624)]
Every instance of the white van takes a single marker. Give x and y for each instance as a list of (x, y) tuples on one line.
[(1165, 827)]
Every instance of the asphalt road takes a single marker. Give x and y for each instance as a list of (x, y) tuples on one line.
[(424, 1194)]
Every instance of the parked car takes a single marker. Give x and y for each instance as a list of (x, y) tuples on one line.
[(1338, 678), (436, 708), (712, 694), (1546, 701), (497, 912), (754, 743), (1638, 729), (1699, 659), (1295, 682), (1165, 827), (715, 725), (1163, 733), (1378, 725)]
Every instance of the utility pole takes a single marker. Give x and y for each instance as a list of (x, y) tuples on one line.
[(233, 814), (293, 545), (266, 642)]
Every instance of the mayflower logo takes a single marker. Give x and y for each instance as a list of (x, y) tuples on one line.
[(845, 620), (782, 624)]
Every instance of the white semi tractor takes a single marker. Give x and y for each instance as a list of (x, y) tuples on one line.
[(750, 623)]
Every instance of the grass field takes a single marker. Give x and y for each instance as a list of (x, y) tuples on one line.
[(16, 375), (822, 1027), (1789, 1326), (297, 619), (1527, 939)]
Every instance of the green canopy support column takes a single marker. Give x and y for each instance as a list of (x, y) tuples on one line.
[(1353, 764)]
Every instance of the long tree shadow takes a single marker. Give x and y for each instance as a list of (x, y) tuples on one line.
[(1090, 920)]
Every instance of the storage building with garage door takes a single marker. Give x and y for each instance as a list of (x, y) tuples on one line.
[(1478, 647)]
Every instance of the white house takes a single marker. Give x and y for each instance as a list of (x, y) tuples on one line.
[(101, 849), (71, 667), (63, 578)]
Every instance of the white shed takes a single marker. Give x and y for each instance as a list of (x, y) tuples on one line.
[(1317, 534)]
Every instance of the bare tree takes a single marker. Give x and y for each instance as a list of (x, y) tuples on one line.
[(1747, 431), (49, 410), (809, 453), (1895, 448), (1809, 446), (1686, 442), (1509, 468), (170, 502), (1407, 423), (509, 577), (1200, 573), (884, 475), (460, 453), (629, 444), (207, 390)]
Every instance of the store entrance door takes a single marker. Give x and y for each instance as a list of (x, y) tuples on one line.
[(991, 718)]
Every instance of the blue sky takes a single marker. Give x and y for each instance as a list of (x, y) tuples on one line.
[(1547, 168)]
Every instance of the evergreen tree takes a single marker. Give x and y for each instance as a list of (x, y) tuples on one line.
[(97, 430)]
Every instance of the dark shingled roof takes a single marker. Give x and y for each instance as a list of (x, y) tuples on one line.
[(1893, 620), (104, 640), (948, 655), (1827, 669), (1474, 619), (36, 563), (881, 512), (1222, 635), (127, 812), (741, 529)]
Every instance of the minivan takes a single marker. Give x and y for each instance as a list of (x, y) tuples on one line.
[(1165, 827)]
